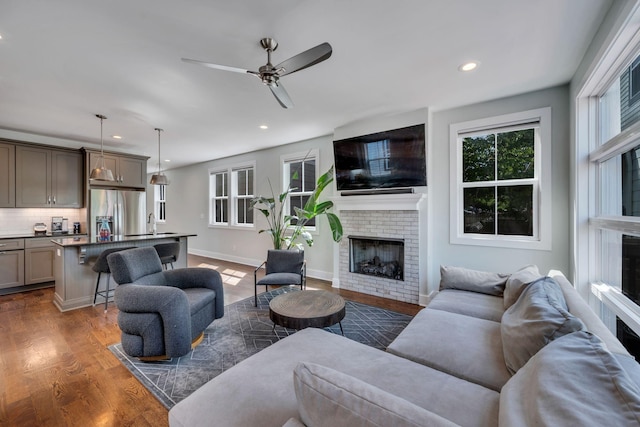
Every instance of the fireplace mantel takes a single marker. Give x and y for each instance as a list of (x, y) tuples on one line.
[(381, 202)]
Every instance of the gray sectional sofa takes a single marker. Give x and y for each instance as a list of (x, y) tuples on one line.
[(489, 350)]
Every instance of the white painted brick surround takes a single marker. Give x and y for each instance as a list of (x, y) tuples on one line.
[(396, 224)]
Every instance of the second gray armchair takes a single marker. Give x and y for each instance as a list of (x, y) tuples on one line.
[(282, 267)]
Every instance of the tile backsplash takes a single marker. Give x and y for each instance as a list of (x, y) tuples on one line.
[(21, 220)]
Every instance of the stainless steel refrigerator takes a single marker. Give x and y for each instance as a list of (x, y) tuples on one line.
[(124, 211)]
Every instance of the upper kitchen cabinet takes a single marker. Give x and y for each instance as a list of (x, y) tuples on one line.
[(48, 178), (7, 175), (128, 170)]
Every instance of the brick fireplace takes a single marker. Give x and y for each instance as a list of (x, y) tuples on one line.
[(390, 218)]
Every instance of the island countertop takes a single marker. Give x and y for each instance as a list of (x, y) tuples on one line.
[(87, 241), (75, 255)]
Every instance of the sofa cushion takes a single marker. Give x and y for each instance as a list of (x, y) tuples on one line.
[(472, 304), (579, 307), (330, 398), (573, 381), (463, 346), (465, 279), (539, 316), (517, 282)]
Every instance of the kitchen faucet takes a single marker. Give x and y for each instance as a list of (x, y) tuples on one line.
[(152, 220)]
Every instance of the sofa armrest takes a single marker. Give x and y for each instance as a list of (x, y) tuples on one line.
[(170, 303), (185, 278)]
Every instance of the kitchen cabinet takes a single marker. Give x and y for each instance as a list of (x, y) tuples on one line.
[(128, 171), (7, 175), (11, 263), (48, 178), (39, 257)]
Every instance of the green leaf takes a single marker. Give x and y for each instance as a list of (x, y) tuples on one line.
[(336, 226)]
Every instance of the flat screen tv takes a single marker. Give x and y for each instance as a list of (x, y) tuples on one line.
[(387, 160)]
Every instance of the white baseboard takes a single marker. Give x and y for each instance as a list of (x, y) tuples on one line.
[(424, 300)]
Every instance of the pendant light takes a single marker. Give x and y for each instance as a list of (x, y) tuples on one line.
[(159, 178), (100, 171)]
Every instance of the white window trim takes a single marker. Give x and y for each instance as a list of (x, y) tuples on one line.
[(606, 299), (541, 241), (233, 206), (212, 223), (232, 196), (290, 157), (156, 203)]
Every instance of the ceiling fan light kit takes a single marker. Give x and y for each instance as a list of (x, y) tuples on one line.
[(270, 74), (100, 171), (159, 178)]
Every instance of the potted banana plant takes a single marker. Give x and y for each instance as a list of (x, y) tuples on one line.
[(287, 230)]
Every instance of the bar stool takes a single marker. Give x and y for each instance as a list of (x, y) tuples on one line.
[(168, 253), (101, 266)]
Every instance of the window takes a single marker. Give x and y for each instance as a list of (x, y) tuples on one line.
[(160, 203), (300, 174), (243, 193), (230, 194), (219, 198), (611, 179), (499, 167)]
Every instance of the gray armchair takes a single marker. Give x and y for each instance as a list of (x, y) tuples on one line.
[(282, 267), (163, 314)]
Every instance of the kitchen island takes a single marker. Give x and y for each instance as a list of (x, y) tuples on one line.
[(76, 281)]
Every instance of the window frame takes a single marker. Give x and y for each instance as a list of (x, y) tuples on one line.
[(591, 254), (235, 196), (159, 200), (285, 161), (232, 195), (213, 197), (542, 237)]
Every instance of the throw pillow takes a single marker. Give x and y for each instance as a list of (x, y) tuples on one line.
[(333, 399), (539, 316), (574, 381), (483, 282), (517, 282)]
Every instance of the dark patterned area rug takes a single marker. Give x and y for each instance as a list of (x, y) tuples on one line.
[(245, 330)]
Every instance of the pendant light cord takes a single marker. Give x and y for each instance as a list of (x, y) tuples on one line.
[(159, 169)]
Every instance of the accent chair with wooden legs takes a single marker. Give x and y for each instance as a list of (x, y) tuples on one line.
[(163, 313)]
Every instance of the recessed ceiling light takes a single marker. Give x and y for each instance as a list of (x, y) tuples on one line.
[(0, 36), (167, 160), (469, 66), (264, 127), (116, 137)]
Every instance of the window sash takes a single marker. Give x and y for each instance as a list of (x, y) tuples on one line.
[(540, 121), (219, 208)]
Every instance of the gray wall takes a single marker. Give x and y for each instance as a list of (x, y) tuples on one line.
[(487, 258), (187, 198), (187, 209)]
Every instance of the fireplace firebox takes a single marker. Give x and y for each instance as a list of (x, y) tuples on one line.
[(375, 256)]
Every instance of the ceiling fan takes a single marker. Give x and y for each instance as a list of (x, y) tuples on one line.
[(270, 75)]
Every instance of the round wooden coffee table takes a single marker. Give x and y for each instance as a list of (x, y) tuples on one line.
[(304, 309)]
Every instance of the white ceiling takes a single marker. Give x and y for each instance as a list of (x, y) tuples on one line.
[(63, 61)]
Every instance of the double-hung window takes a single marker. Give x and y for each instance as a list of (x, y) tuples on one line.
[(300, 174), (160, 202), (230, 194), (219, 197), (497, 188), (243, 184), (611, 181)]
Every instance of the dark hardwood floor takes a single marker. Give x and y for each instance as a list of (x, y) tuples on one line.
[(56, 369)]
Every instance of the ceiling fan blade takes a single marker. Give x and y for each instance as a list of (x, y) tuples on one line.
[(305, 59), (281, 95), (216, 66)]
